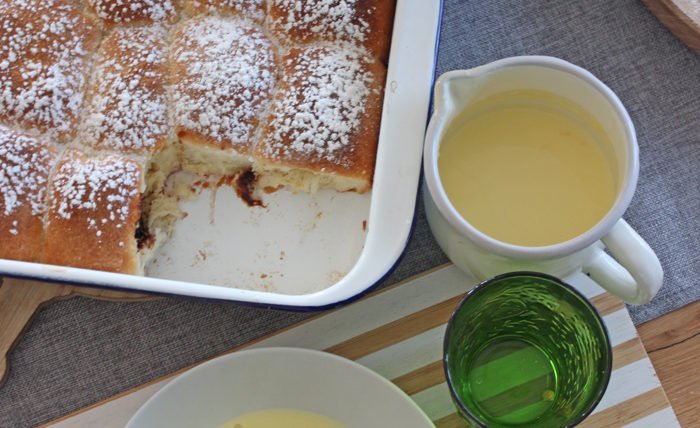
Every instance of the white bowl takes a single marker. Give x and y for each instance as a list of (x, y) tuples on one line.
[(257, 379)]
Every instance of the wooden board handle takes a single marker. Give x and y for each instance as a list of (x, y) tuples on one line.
[(19, 302), (21, 299), (682, 17)]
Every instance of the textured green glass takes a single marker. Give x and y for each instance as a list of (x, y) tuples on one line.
[(525, 349)]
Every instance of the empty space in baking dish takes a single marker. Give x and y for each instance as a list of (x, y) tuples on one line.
[(294, 244)]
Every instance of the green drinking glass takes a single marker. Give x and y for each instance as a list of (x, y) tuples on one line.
[(525, 349)]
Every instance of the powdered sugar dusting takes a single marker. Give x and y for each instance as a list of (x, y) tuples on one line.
[(322, 103), (100, 188), (44, 46), (127, 109), (254, 9), (126, 11), (226, 73), (25, 164), (319, 19)]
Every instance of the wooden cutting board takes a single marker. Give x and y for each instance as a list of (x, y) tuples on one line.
[(682, 17), (397, 332), (20, 301)]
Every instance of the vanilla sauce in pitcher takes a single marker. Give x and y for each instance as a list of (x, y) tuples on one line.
[(527, 168)]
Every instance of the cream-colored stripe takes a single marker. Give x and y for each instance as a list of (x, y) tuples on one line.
[(435, 401), (620, 327), (632, 409), (663, 418), (407, 356), (584, 284), (627, 382)]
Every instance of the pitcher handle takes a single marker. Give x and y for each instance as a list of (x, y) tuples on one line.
[(634, 274)]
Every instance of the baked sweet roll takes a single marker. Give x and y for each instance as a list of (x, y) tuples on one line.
[(127, 106), (366, 23), (94, 213), (251, 9), (25, 164), (45, 48), (323, 124), (119, 12), (223, 73)]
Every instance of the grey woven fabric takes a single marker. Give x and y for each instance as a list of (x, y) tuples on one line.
[(80, 351)]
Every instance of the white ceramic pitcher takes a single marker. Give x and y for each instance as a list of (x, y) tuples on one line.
[(633, 272)]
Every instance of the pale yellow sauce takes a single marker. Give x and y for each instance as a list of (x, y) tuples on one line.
[(278, 418), (528, 168)]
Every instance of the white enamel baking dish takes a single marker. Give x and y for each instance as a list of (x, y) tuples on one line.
[(301, 252)]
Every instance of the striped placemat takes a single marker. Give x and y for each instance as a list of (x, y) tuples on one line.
[(398, 333)]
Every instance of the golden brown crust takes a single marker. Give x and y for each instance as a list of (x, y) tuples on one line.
[(334, 96), (94, 212), (251, 9), (25, 245), (45, 47), (223, 72), (25, 164), (127, 105), (187, 136), (125, 12), (367, 23)]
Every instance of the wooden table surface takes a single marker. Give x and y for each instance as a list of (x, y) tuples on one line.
[(673, 344)]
